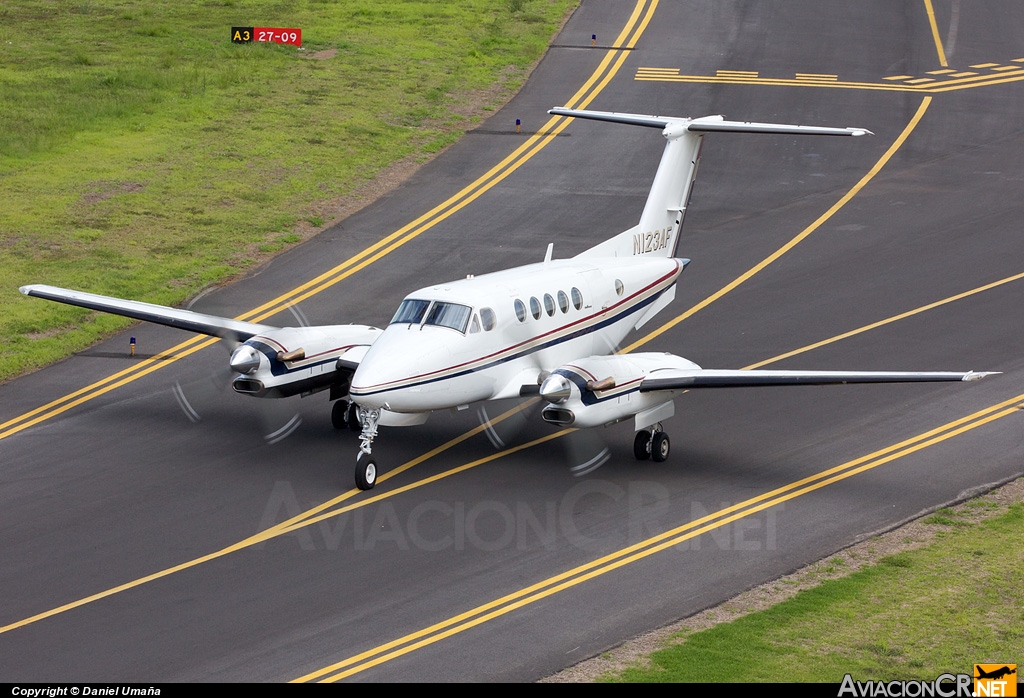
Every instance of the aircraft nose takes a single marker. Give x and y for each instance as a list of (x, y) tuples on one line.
[(244, 359)]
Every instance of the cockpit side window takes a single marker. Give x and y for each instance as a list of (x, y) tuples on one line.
[(488, 319), (450, 315), (411, 310)]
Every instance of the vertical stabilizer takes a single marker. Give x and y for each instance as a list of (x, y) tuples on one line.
[(663, 214), (658, 232)]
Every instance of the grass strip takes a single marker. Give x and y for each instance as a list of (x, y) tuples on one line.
[(144, 155), (913, 615)]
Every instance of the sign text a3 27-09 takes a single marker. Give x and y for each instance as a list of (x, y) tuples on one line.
[(278, 35)]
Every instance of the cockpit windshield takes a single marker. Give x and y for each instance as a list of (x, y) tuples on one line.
[(450, 315), (439, 313), (410, 310)]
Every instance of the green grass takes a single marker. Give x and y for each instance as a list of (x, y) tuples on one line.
[(914, 615), (144, 155)]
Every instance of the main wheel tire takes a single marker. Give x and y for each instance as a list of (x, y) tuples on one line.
[(352, 417), (339, 414), (366, 472), (659, 447), (642, 445)]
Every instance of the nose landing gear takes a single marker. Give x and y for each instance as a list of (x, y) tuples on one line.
[(366, 466)]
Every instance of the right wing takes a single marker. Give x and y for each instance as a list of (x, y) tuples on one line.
[(161, 315)]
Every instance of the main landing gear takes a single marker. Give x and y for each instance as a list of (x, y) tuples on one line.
[(345, 415), (651, 444)]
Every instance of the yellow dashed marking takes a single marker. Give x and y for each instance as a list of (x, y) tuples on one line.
[(985, 65)]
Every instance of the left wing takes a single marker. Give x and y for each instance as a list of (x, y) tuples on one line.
[(723, 378), (160, 314), (604, 389)]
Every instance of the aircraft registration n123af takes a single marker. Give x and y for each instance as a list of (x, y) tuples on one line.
[(548, 328)]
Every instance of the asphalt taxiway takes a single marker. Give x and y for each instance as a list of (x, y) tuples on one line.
[(144, 542)]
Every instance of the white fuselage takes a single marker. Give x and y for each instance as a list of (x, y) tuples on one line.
[(486, 337)]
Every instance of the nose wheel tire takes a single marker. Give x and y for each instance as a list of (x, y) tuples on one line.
[(659, 447), (366, 472), (642, 445)]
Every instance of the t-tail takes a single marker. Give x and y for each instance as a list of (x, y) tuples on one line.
[(662, 219)]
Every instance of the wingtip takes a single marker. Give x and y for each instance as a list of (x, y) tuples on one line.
[(978, 375)]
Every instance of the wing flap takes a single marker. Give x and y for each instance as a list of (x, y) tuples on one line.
[(159, 314)]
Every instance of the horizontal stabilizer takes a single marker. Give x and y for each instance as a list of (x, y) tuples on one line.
[(712, 378), (706, 124), (159, 314)]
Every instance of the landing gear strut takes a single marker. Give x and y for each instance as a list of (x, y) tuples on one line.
[(366, 466), (652, 444)]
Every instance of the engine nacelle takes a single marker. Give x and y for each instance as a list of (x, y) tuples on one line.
[(299, 360), (606, 389)]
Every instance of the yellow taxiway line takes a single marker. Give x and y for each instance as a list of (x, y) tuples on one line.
[(327, 509), (655, 544), (598, 80)]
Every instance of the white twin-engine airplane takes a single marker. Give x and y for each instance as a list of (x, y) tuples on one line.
[(546, 328)]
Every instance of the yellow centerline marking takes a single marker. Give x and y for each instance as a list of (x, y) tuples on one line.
[(910, 83), (796, 240), (608, 67), (307, 518), (887, 321), (792, 243), (935, 32), (634, 553), (325, 511)]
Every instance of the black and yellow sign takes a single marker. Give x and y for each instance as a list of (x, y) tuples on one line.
[(278, 35)]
